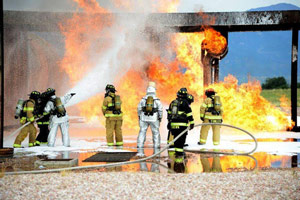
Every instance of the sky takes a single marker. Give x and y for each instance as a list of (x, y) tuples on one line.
[(228, 5), (185, 5)]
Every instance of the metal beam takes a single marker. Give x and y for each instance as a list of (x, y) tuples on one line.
[(179, 22)]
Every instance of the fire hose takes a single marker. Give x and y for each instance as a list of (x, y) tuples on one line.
[(20, 128), (149, 157)]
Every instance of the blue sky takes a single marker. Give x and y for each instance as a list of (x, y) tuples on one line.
[(228, 5)]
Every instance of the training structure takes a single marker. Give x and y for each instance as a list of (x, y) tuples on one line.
[(23, 24)]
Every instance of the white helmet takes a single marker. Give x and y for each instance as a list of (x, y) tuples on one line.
[(151, 84), (151, 90)]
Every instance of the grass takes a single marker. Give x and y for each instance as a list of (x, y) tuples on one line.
[(273, 95)]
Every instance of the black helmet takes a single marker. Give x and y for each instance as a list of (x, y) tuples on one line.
[(34, 95), (110, 88), (209, 92), (190, 98), (50, 92), (182, 93)]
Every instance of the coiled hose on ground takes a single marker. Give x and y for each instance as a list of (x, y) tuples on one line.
[(146, 158)]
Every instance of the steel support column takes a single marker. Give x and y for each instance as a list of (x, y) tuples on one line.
[(2, 75), (294, 77)]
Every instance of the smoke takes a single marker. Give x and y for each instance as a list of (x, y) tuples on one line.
[(131, 44), (40, 5), (103, 73)]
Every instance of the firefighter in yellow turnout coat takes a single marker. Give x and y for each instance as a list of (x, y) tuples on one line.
[(111, 109), (28, 116), (211, 112)]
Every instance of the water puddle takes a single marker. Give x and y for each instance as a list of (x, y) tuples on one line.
[(167, 162)]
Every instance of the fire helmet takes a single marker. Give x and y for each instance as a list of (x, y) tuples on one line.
[(151, 84), (151, 90), (110, 88), (50, 92), (34, 95), (182, 93), (190, 98), (209, 92)]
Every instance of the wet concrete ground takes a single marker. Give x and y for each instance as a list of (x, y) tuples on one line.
[(165, 163), (275, 150)]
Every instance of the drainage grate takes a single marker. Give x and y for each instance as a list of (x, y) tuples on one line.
[(110, 157)]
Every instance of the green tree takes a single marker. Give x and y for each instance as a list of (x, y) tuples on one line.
[(275, 83)]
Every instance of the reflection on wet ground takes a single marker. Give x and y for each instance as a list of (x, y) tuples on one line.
[(167, 161)]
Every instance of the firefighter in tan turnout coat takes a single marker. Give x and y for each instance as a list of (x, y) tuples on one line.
[(28, 116), (111, 109), (211, 112)]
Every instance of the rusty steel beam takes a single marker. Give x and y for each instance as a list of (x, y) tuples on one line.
[(179, 22)]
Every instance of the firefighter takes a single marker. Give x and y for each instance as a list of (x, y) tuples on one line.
[(43, 123), (28, 115), (111, 109), (211, 112), (58, 117), (190, 100), (150, 112), (179, 119)]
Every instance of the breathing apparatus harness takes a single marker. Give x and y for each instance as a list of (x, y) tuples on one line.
[(115, 107), (213, 109), (149, 108), (174, 113), (59, 109)]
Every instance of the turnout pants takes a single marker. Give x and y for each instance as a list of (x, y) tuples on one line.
[(143, 130), (30, 128), (44, 132), (64, 128), (204, 132), (114, 125), (178, 144)]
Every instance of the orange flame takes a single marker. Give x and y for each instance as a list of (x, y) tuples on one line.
[(243, 106), (214, 43)]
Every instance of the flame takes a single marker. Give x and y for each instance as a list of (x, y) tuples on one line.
[(244, 106), (168, 6), (285, 103), (87, 35), (214, 43)]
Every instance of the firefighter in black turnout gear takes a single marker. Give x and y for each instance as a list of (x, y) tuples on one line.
[(43, 123), (179, 119)]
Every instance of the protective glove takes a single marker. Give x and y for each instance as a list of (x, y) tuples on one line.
[(191, 126), (202, 118)]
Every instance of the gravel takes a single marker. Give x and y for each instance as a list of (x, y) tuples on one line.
[(274, 184)]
